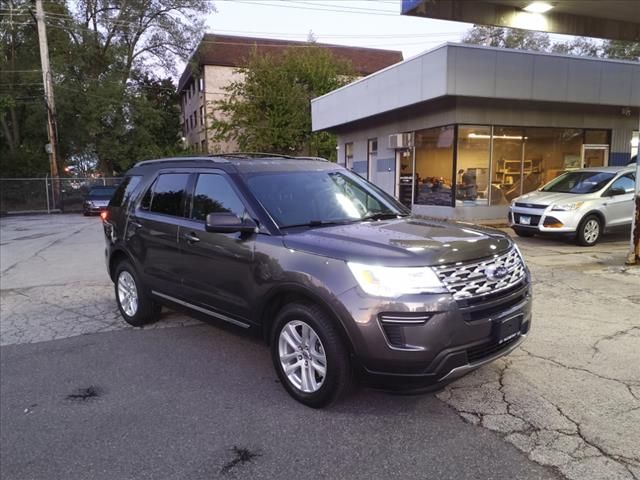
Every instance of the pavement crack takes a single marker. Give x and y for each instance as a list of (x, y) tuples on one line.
[(579, 369), (620, 333)]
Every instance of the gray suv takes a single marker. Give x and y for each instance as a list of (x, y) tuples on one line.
[(336, 275)]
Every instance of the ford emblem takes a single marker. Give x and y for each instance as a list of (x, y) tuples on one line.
[(496, 273)]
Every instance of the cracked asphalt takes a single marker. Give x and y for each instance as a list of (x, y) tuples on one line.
[(566, 404)]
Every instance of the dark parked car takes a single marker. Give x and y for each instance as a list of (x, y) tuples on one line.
[(97, 199), (332, 272)]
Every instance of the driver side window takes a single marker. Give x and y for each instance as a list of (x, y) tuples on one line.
[(625, 183)]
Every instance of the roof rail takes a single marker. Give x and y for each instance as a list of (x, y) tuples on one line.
[(222, 158), (215, 159), (248, 155)]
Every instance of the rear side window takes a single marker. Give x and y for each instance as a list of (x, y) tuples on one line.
[(214, 194), (166, 194), (124, 191)]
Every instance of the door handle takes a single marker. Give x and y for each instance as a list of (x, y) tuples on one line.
[(191, 237)]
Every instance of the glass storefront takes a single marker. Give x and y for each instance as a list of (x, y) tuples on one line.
[(434, 166), (490, 166)]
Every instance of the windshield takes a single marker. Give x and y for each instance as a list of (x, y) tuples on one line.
[(579, 182), (101, 193), (314, 198)]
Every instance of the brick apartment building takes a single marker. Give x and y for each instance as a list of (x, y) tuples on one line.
[(214, 65)]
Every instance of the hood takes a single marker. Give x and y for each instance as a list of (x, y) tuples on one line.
[(401, 242), (549, 198)]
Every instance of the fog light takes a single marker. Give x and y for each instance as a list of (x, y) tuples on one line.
[(552, 222)]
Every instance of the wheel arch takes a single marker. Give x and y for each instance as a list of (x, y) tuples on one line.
[(116, 257), (595, 213), (277, 298)]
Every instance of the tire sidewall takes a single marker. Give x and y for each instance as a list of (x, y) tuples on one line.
[(143, 310), (580, 234), (333, 351)]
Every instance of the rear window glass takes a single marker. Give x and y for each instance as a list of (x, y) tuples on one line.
[(102, 193), (167, 194), (124, 191)]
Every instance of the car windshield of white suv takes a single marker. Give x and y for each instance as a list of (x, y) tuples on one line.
[(579, 182), (317, 198)]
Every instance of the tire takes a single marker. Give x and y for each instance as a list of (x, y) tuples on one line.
[(589, 231), (134, 302), (521, 232), (305, 382)]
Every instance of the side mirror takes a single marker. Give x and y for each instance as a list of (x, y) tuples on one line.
[(615, 192), (229, 223)]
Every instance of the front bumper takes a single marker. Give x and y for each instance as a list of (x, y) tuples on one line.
[(544, 220), (457, 338)]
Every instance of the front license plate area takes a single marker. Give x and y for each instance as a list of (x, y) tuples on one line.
[(524, 220), (507, 329)]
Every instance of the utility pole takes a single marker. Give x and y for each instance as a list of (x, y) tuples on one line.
[(51, 107), (633, 257)]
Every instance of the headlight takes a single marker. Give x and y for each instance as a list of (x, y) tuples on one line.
[(395, 281), (566, 207)]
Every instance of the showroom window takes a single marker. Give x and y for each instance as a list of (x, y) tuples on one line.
[(434, 166), (372, 155), (472, 170), (348, 155)]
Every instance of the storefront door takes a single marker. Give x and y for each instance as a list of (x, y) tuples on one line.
[(595, 156)]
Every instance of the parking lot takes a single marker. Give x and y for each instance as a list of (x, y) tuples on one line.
[(85, 396)]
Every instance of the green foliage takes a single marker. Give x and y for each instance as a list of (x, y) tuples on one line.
[(269, 110), (111, 62), (538, 41)]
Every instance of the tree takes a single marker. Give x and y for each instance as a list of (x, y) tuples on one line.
[(111, 62), (269, 110), (507, 38), (504, 37), (622, 50)]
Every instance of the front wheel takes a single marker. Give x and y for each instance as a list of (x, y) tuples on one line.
[(589, 231), (135, 305), (309, 355)]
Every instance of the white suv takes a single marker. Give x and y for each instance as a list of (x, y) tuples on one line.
[(583, 202)]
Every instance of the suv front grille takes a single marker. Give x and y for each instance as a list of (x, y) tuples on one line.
[(531, 205), (470, 280)]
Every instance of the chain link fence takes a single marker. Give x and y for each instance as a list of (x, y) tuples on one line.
[(31, 195)]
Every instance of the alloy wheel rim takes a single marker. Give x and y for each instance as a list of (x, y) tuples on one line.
[(591, 231), (127, 293), (302, 356)]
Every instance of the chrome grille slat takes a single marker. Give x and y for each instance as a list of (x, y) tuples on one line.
[(468, 280)]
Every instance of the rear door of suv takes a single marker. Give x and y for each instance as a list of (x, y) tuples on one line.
[(218, 266), (152, 231)]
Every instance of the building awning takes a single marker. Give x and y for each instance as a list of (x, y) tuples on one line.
[(483, 72), (608, 19)]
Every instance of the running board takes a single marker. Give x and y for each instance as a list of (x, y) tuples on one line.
[(201, 310)]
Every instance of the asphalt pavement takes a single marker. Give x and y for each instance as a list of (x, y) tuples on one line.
[(83, 395)]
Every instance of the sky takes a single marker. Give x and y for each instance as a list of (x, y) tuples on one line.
[(363, 23)]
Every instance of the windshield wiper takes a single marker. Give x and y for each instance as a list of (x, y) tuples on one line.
[(320, 223), (382, 216)]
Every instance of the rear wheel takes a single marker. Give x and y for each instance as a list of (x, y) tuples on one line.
[(309, 355), (521, 232), (589, 231), (135, 304)]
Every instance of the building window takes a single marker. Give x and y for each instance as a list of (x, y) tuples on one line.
[(202, 116), (201, 84), (434, 166), (372, 155), (203, 145), (195, 117), (472, 168), (348, 155), (596, 137)]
